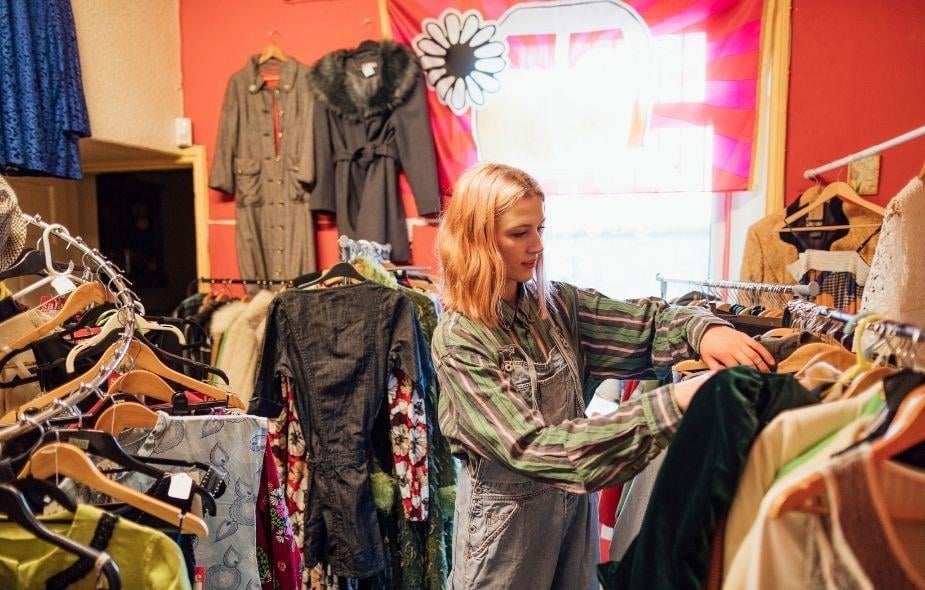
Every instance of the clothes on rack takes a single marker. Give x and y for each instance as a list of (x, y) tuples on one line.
[(768, 252), (264, 157), (313, 338), (371, 122), (896, 275), (237, 335), (47, 113), (702, 464), (840, 275), (146, 558)]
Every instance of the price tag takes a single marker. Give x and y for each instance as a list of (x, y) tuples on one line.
[(369, 68), (181, 485), (63, 285)]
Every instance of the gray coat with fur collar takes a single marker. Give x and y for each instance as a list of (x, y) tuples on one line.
[(371, 122)]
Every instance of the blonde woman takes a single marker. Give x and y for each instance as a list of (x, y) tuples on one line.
[(517, 359)]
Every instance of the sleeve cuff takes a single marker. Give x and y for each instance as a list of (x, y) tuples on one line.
[(699, 325), (661, 412)]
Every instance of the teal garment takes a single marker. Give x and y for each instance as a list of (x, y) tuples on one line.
[(698, 479)]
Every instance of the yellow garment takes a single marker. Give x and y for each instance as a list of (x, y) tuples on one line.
[(147, 559), (787, 436), (774, 553), (767, 256), (4, 291)]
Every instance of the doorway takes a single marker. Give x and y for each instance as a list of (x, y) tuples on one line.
[(146, 226)]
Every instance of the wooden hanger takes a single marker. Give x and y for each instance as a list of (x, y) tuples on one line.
[(866, 380), (124, 415), (839, 358), (65, 459), (272, 51), (82, 297), (62, 390), (782, 332), (145, 358), (800, 357), (835, 189), (141, 382), (906, 431)]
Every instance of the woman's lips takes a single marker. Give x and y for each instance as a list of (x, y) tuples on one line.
[(531, 264)]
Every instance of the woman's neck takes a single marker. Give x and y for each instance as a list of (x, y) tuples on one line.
[(510, 292)]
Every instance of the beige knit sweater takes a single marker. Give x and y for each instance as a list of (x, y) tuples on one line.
[(897, 275)]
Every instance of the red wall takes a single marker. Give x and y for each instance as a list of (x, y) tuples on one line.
[(857, 78), (217, 37)]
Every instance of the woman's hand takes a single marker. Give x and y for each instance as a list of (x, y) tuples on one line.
[(722, 346)]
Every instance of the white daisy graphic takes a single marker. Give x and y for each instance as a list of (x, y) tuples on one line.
[(461, 57)]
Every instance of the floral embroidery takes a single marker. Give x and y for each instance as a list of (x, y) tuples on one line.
[(408, 433)]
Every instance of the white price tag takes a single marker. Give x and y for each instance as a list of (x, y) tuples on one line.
[(369, 68), (63, 285), (181, 485)]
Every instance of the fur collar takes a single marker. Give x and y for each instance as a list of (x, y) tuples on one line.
[(344, 91)]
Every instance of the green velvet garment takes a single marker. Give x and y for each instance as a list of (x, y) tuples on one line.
[(698, 479)]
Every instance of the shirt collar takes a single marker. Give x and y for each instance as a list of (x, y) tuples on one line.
[(523, 310), (287, 73)]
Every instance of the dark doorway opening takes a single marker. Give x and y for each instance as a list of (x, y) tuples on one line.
[(147, 227)]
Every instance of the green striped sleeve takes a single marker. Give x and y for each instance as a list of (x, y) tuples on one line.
[(640, 338), (482, 414)]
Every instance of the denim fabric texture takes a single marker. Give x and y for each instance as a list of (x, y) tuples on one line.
[(500, 514), (338, 346)]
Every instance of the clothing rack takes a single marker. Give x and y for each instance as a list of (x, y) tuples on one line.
[(806, 291), (812, 173), (257, 282), (819, 318), (109, 275), (350, 249)]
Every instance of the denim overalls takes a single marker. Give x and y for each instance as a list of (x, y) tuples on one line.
[(514, 532)]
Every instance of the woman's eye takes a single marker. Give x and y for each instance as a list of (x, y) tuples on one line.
[(520, 234), (541, 228)]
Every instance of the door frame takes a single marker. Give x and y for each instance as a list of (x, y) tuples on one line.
[(194, 158)]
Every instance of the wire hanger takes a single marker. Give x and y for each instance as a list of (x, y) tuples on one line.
[(57, 459)]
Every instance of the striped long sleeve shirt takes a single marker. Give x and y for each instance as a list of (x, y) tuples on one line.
[(483, 415)]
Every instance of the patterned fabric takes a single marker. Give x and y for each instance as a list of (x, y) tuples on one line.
[(484, 415), (287, 445), (235, 443), (278, 555), (42, 105), (408, 432), (12, 226)]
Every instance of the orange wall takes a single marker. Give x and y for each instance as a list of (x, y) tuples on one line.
[(857, 78)]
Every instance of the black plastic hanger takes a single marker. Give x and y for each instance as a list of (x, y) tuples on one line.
[(14, 505), (341, 270), (31, 262), (34, 490), (103, 444)]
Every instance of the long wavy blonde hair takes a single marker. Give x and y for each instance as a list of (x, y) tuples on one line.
[(472, 270)]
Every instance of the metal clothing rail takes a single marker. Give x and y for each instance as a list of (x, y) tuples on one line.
[(814, 172), (109, 275), (258, 282), (810, 290), (817, 318)]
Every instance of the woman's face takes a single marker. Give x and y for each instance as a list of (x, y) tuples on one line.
[(519, 234)]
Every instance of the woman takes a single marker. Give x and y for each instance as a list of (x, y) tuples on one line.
[(517, 360)]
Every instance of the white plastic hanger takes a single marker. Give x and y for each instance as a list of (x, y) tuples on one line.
[(116, 321)]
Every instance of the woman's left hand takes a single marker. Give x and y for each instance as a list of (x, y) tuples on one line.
[(722, 346)]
